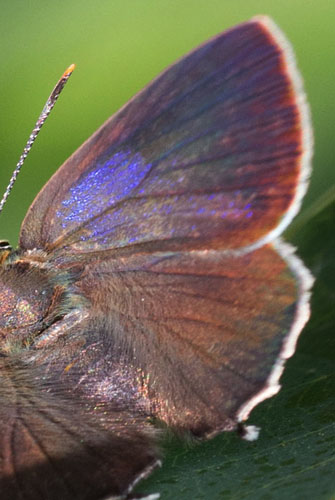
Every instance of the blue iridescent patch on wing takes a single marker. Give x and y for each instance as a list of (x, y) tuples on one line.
[(101, 188)]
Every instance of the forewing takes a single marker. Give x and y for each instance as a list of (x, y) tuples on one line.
[(212, 154), (209, 332), (56, 445)]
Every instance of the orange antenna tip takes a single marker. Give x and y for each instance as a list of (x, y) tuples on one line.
[(69, 70)]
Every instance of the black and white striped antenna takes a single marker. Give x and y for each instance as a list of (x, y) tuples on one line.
[(41, 120)]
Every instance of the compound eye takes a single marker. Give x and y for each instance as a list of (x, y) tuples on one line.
[(4, 245)]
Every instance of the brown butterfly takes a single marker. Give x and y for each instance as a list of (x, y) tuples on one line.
[(150, 281)]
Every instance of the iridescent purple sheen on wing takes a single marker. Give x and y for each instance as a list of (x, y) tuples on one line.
[(106, 185)]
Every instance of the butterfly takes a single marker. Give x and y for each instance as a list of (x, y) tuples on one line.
[(150, 282)]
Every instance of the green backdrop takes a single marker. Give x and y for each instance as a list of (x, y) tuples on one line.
[(118, 46)]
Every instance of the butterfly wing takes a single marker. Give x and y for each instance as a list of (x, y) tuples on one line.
[(209, 332), (58, 441), (211, 154)]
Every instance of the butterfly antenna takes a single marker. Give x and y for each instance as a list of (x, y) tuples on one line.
[(41, 119)]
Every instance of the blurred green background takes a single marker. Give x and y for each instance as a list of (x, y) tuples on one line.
[(119, 46)]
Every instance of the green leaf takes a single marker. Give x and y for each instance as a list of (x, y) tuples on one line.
[(294, 455)]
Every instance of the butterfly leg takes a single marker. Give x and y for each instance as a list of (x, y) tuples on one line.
[(62, 327)]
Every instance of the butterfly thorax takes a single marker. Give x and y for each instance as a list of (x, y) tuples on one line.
[(32, 298)]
